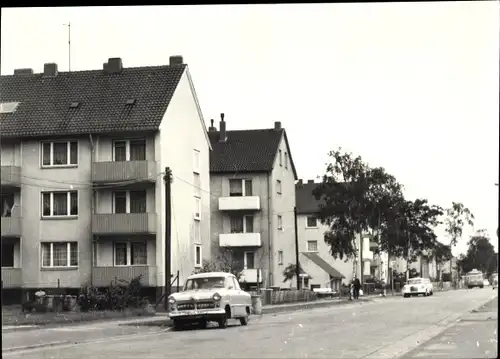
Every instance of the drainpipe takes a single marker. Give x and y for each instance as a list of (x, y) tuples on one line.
[(269, 225), (92, 209)]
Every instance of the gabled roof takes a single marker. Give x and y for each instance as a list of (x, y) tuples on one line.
[(320, 262), (247, 151), (305, 201), (100, 101)]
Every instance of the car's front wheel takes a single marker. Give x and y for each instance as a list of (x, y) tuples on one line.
[(222, 322), (178, 325)]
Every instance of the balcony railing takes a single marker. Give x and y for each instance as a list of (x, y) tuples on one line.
[(241, 203), (250, 276), (240, 240), (104, 276), (11, 227), (11, 277), (124, 223), (118, 171), (10, 176)]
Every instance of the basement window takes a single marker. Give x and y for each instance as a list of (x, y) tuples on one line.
[(8, 107)]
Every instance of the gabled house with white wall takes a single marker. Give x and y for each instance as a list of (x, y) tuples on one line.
[(83, 156), (252, 180)]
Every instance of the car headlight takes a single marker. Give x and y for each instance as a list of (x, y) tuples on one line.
[(216, 297), (171, 300)]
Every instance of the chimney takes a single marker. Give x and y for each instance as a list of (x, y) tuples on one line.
[(50, 70), (212, 128), (176, 60), (277, 125), (105, 67), (115, 65), (23, 72), (310, 181), (222, 129)]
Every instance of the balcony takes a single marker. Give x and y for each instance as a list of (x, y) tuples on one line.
[(250, 276), (11, 227), (107, 172), (373, 245), (240, 240), (239, 203), (11, 278), (104, 276), (10, 176), (123, 223)]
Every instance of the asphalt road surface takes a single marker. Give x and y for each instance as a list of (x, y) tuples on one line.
[(384, 328)]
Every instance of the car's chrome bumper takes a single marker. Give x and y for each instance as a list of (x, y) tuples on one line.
[(199, 313)]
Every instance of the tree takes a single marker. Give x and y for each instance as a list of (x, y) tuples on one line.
[(457, 216), (480, 255)]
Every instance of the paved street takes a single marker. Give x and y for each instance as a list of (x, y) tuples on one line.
[(475, 336), (384, 328)]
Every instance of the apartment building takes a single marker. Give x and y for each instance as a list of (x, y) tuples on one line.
[(252, 180), (321, 270), (82, 161)]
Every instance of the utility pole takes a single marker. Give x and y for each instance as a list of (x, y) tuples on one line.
[(69, 45), (297, 264), (167, 178)]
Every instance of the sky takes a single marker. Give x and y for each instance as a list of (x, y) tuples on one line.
[(412, 87)]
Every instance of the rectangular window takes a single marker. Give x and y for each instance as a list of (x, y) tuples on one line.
[(95, 250), (60, 153), (197, 184), (59, 204), (197, 256), (286, 160), (197, 208), (280, 223), (130, 201), (7, 254), (249, 260), (129, 150), (312, 222), (312, 246), (196, 161), (196, 232), (278, 186), (280, 257), (280, 158), (242, 224), (131, 253), (240, 187), (59, 254), (7, 203)]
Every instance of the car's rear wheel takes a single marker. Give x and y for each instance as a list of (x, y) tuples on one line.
[(244, 320), (406, 295)]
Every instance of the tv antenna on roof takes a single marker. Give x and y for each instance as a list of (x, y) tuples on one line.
[(69, 45)]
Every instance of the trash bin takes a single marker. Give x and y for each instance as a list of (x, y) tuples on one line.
[(256, 304)]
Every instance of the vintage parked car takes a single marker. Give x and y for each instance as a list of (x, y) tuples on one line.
[(209, 297), (417, 286)]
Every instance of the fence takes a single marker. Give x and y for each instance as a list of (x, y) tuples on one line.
[(270, 296)]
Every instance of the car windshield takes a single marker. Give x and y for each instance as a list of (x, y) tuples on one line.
[(204, 283), (415, 281)]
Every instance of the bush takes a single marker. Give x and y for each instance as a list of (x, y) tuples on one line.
[(118, 296)]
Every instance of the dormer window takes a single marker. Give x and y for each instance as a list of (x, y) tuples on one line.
[(8, 107)]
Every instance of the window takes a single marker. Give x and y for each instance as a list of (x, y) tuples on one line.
[(278, 186), (64, 153), (280, 223), (286, 160), (197, 208), (8, 107), (240, 187), (249, 260), (129, 150), (280, 257), (197, 184), (242, 224), (197, 255), (95, 250), (59, 254), (312, 246), (131, 253), (196, 161), (280, 158), (196, 232), (130, 202), (59, 204), (312, 222), (7, 203), (7, 254)]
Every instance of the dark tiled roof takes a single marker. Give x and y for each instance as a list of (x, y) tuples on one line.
[(305, 201), (44, 108), (246, 151), (320, 262)]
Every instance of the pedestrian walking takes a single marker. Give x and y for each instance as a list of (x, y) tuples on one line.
[(357, 287)]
